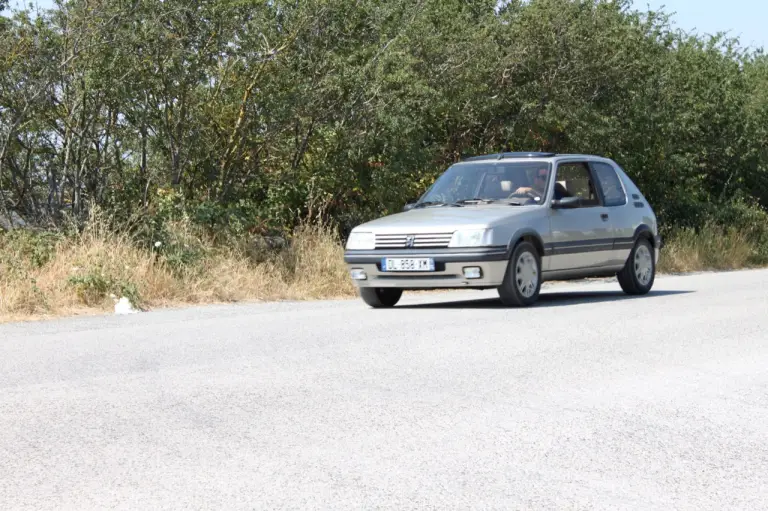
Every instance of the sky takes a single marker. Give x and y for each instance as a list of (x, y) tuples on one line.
[(744, 19), (739, 18)]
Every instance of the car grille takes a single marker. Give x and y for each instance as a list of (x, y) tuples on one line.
[(438, 240)]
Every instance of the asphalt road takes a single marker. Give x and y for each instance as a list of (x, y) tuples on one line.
[(591, 400)]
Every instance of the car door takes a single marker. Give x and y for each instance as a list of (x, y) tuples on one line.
[(581, 236), (615, 200)]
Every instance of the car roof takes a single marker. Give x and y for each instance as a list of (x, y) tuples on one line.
[(531, 156)]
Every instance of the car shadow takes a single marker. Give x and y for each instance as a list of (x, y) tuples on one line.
[(553, 299)]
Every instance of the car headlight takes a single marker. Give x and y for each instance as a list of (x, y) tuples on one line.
[(361, 241), (471, 238)]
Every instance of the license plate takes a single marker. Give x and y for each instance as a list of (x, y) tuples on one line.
[(409, 264)]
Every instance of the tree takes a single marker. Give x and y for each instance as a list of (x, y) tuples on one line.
[(246, 115)]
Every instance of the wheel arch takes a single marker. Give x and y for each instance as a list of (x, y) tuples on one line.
[(529, 235), (644, 231)]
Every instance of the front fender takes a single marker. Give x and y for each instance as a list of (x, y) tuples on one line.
[(526, 232)]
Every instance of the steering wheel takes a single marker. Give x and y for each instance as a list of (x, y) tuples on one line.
[(528, 193)]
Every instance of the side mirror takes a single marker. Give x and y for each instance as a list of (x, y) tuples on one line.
[(566, 203)]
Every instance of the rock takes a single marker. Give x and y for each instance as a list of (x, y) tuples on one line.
[(14, 222), (262, 247), (269, 243)]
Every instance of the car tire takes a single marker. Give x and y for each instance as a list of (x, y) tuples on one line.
[(522, 281), (380, 297), (639, 272)]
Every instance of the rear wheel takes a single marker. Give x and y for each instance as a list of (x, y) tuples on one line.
[(522, 281), (639, 272), (380, 297)]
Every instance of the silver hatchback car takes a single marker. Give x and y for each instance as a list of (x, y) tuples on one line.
[(510, 221)]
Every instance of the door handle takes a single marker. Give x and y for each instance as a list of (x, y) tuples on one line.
[(604, 216)]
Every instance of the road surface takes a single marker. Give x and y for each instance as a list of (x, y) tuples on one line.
[(591, 400)]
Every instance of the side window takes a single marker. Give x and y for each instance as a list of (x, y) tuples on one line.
[(575, 180), (609, 184)]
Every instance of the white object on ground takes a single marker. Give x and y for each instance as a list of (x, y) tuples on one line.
[(123, 306)]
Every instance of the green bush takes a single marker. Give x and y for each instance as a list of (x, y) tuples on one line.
[(94, 286), (28, 247)]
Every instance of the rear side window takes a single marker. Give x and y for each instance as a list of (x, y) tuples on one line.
[(609, 184)]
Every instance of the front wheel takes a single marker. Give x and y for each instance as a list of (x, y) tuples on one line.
[(379, 297), (639, 272), (522, 282)]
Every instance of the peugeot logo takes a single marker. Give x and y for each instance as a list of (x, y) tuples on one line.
[(409, 241)]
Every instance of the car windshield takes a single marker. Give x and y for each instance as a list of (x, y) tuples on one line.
[(516, 182)]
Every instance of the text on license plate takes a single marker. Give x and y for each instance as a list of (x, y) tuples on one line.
[(410, 264)]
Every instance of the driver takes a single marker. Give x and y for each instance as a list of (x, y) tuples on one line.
[(539, 183)]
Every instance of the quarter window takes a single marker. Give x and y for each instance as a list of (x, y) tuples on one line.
[(613, 193)]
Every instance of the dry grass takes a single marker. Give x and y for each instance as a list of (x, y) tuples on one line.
[(48, 275), (83, 274), (713, 248)]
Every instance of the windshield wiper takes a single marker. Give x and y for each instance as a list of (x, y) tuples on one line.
[(476, 200), (430, 203)]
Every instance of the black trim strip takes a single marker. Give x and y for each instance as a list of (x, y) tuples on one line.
[(398, 275), (440, 255), (581, 249), (628, 243), (568, 244), (578, 247)]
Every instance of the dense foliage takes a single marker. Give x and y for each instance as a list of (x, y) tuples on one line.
[(252, 114)]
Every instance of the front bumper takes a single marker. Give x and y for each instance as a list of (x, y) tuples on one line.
[(449, 268)]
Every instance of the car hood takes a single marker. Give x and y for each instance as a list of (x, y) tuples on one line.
[(445, 219)]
